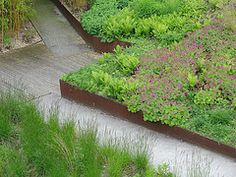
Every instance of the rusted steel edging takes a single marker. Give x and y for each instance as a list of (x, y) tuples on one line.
[(76, 94), (93, 41)]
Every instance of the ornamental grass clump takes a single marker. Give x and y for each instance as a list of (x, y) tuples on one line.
[(33, 145), (13, 14)]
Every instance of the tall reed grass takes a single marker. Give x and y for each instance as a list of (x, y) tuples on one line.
[(13, 13)]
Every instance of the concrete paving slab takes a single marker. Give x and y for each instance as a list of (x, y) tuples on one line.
[(56, 31), (38, 68)]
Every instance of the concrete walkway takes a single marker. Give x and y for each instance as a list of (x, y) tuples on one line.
[(39, 68), (62, 40)]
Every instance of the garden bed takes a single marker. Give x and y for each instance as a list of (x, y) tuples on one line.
[(180, 70), (76, 94), (93, 41)]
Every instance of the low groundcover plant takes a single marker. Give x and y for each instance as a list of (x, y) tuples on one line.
[(191, 85)]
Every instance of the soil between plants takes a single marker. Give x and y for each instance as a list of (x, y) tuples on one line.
[(28, 35), (75, 12)]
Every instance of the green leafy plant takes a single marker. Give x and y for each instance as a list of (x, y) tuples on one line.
[(94, 19), (147, 8), (205, 97), (107, 85), (164, 171), (168, 21), (122, 25), (192, 79)]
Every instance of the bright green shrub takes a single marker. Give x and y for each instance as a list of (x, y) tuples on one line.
[(122, 25), (145, 27), (168, 21), (107, 76), (107, 85), (144, 8), (163, 170), (147, 8), (193, 7), (206, 97), (126, 62), (93, 20), (100, 82), (167, 29), (172, 28)]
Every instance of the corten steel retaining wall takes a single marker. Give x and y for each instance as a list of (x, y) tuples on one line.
[(76, 94), (93, 41)]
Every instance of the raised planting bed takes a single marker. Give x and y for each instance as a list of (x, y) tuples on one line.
[(93, 41), (76, 94)]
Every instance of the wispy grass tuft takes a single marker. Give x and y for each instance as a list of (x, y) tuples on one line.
[(11, 105), (12, 162), (32, 145), (89, 149)]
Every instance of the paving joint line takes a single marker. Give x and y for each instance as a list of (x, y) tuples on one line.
[(40, 96)]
